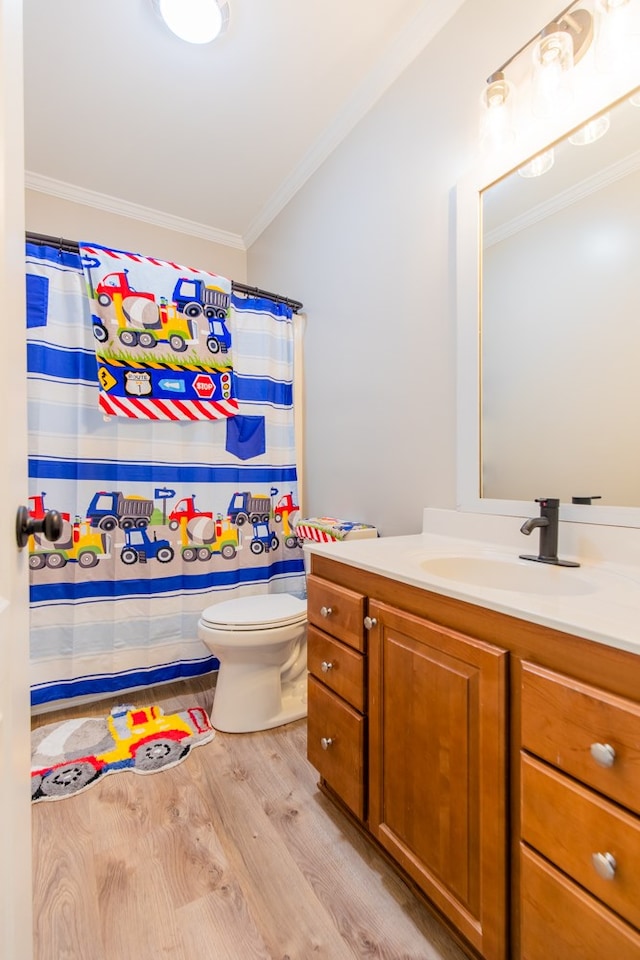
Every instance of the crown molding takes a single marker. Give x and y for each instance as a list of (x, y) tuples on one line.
[(615, 171), (134, 211), (409, 44), (411, 41)]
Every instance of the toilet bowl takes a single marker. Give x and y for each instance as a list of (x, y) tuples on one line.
[(261, 643)]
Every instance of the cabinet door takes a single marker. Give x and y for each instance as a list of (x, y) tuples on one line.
[(437, 767)]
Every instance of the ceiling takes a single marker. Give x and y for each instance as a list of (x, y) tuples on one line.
[(121, 114)]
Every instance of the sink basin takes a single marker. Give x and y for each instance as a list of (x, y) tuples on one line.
[(521, 576)]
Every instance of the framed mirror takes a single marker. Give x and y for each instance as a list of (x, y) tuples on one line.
[(549, 338)]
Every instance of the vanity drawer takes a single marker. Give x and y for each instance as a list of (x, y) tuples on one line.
[(561, 720), (559, 919), (341, 764), (339, 667), (336, 610), (569, 824)]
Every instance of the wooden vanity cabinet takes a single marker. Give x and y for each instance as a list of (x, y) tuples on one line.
[(500, 770)]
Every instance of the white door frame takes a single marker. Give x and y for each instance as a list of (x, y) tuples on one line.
[(15, 796)]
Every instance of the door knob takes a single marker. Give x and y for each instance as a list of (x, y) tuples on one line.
[(50, 525)]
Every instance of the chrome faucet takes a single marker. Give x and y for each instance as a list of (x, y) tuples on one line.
[(548, 524)]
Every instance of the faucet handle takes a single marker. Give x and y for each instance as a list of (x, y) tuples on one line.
[(548, 502), (585, 499)]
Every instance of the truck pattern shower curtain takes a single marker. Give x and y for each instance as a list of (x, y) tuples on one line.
[(160, 517)]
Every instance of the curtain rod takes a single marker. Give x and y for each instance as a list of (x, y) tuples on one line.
[(72, 246)]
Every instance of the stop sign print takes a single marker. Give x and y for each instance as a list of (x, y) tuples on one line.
[(204, 386)]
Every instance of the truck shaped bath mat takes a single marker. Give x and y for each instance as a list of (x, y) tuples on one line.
[(68, 756)]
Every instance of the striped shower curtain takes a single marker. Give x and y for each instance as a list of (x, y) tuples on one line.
[(160, 518)]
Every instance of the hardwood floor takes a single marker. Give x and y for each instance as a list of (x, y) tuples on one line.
[(233, 855)]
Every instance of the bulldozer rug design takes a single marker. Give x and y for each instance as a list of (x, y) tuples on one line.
[(163, 345), (70, 756)]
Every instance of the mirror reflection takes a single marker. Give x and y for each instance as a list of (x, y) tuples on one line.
[(560, 323)]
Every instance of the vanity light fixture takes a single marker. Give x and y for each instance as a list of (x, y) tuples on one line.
[(591, 131), (555, 51), (538, 165), (194, 21)]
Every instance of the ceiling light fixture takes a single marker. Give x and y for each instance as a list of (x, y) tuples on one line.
[(195, 21)]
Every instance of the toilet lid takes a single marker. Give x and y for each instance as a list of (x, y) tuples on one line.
[(253, 613)]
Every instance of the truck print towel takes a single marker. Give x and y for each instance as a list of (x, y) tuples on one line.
[(163, 345)]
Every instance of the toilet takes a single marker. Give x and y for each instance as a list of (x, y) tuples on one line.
[(261, 643)]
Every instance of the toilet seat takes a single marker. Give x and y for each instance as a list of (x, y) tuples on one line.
[(255, 613)]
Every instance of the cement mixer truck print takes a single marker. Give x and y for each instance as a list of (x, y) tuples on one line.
[(144, 322)]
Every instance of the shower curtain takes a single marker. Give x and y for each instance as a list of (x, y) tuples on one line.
[(160, 518)]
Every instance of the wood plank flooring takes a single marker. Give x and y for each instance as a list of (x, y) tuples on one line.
[(232, 855)]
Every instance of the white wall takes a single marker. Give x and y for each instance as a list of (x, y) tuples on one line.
[(368, 244), (77, 221)]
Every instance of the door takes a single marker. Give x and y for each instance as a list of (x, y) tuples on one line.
[(15, 796), (437, 738)]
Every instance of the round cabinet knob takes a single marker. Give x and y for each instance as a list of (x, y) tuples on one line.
[(603, 754), (326, 665), (325, 611), (326, 742), (370, 623), (604, 865)]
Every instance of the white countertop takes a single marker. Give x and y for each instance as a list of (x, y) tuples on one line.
[(603, 598)]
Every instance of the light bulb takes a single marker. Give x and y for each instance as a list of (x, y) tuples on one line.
[(591, 131), (614, 37), (196, 21), (538, 165), (498, 105), (552, 66)]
